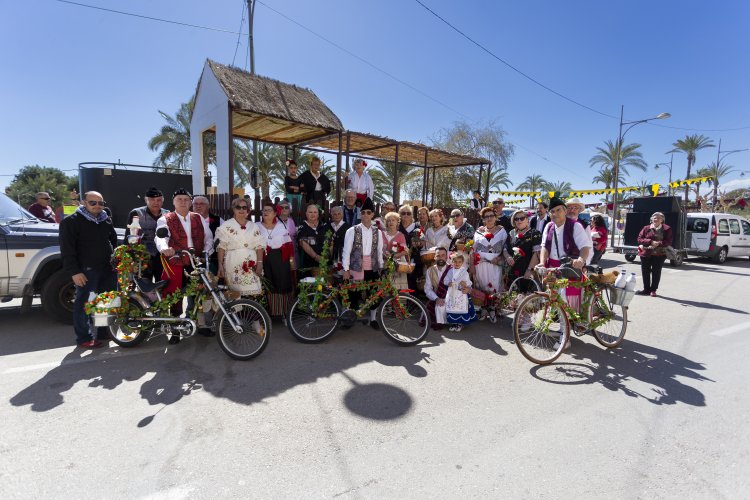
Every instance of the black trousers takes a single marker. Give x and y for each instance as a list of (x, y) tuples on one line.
[(651, 271)]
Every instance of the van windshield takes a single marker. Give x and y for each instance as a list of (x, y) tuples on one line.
[(697, 225)]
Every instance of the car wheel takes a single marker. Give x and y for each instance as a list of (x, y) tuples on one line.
[(630, 257), (721, 257), (58, 294)]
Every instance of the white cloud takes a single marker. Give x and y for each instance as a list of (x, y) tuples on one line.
[(735, 184)]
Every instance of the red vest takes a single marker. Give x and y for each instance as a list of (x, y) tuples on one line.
[(178, 237)]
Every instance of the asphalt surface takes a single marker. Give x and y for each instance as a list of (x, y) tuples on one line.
[(460, 415)]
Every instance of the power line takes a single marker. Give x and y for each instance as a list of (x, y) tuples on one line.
[(149, 17), (537, 82), (242, 21)]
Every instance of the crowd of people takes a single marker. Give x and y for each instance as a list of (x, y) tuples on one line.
[(456, 267)]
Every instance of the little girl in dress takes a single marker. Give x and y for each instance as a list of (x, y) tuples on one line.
[(459, 307)]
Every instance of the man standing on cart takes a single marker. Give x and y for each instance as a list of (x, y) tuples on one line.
[(362, 256)]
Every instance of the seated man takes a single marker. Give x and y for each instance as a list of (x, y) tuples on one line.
[(435, 289)]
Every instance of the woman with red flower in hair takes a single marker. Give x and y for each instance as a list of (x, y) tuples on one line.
[(521, 251), (487, 259)]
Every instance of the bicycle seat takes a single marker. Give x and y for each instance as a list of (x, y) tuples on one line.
[(147, 286), (594, 269)]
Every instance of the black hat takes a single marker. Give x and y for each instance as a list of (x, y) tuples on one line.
[(555, 202), (180, 191), (153, 192), (368, 205)]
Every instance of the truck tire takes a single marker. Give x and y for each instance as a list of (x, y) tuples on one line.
[(58, 293), (630, 257)]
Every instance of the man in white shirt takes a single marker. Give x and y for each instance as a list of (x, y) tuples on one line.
[(185, 230), (362, 256), (541, 219), (435, 289)]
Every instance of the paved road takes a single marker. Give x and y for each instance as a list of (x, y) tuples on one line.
[(463, 414)]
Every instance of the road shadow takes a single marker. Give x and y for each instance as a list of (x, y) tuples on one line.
[(702, 305), (168, 374), (30, 331), (626, 369)]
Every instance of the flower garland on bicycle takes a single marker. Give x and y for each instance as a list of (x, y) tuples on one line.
[(362, 255)]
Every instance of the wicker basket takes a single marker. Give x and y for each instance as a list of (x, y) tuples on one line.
[(404, 267), (604, 279), (428, 258)]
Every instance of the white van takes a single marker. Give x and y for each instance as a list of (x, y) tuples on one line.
[(717, 236)]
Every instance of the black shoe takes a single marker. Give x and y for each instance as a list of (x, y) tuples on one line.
[(642, 292), (174, 339), (375, 325), (206, 332)]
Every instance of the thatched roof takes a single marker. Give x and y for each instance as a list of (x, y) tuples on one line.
[(383, 148), (272, 111)]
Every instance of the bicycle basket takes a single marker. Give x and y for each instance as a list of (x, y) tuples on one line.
[(620, 296)]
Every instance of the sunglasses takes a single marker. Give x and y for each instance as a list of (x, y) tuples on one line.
[(95, 203), (367, 212), (518, 219), (45, 198), (405, 214), (241, 207)]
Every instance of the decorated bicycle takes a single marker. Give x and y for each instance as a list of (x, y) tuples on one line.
[(544, 320), (323, 306), (138, 311)]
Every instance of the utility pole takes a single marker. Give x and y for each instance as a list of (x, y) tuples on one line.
[(251, 47)]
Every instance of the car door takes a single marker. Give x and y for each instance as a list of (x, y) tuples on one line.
[(735, 237), (4, 272), (698, 233), (745, 237)]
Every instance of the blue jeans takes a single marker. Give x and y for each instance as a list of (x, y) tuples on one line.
[(99, 280)]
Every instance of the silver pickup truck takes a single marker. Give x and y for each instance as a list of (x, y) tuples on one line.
[(30, 262)]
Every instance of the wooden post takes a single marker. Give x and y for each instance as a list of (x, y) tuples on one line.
[(338, 170), (396, 193)]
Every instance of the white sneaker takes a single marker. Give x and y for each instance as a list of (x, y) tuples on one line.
[(493, 317), (458, 328)]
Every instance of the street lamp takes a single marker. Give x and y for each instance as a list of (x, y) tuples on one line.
[(620, 138), (719, 156), (656, 167)]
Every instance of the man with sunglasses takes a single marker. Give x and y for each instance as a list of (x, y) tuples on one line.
[(87, 241), (362, 257), (41, 209)]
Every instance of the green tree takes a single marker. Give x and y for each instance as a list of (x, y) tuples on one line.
[(629, 157), (606, 176), (533, 182), (382, 174), (716, 173), (485, 141), (560, 187), (173, 141), (690, 145), (32, 179)]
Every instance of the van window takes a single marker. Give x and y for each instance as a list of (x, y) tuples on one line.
[(697, 225), (723, 226), (735, 225), (745, 228)]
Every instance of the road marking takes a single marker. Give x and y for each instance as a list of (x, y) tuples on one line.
[(732, 329), (87, 358)]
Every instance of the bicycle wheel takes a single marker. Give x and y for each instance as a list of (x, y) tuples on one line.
[(610, 320), (256, 329), (129, 332), (541, 329), (404, 320), (531, 285), (312, 328)]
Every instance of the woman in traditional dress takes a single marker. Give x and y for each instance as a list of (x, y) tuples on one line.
[(437, 234), (522, 250), (394, 245), (241, 251), (486, 263), (311, 236), (278, 263), (360, 181)]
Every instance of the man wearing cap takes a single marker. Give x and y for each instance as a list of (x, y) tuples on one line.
[(362, 256), (575, 207), (565, 238), (41, 209), (186, 230), (461, 229), (148, 215)]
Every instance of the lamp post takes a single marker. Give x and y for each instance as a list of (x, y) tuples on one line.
[(720, 157), (669, 186), (620, 138)]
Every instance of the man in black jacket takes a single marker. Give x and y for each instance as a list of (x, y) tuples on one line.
[(541, 219), (315, 184), (87, 241)]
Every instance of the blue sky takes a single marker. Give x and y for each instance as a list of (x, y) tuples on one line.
[(80, 84)]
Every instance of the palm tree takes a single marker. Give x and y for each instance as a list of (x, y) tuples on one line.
[(717, 173), (560, 187), (533, 182), (689, 145), (382, 176), (629, 157), (606, 176)]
